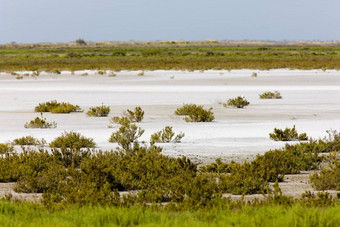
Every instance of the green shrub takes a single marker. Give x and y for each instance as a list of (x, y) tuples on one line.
[(99, 111), (5, 148), (19, 77), (141, 73), (186, 109), (72, 140), (200, 115), (289, 134), (254, 74), (40, 122), (80, 42), (132, 116), (84, 74), (29, 140), (271, 95), (166, 135), (127, 133), (101, 72), (238, 102), (328, 179), (112, 74), (55, 107)]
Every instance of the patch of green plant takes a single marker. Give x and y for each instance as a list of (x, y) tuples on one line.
[(186, 109), (141, 73), (28, 140), (196, 113), (72, 140), (126, 134), (328, 178), (270, 95), (40, 122), (288, 134), (166, 135), (100, 72), (56, 107), (238, 102), (132, 116), (98, 111), (112, 74), (5, 148)]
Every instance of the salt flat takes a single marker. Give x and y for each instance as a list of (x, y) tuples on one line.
[(310, 101)]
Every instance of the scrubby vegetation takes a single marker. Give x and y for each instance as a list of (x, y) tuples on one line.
[(56, 107), (98, 111), (40, 122), (195, 113), (166, 135), (126, 134), (132, 116), (288, 134), (328, 178), (5, 148), (72, 140), (170, 55), (29, 140), (238, 102), (270, 95)]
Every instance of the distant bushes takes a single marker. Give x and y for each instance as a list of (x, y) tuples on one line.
[(238, 102), (5, 148), (270, 95), (195, 113), (40, 122), (166, 135), (288, 134), (28, 140), (98, 111), (72, 140), (55, 107)]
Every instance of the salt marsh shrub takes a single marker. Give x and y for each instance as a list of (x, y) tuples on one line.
[(141, 73), (72, 140), (40, 122), (99, 111), (328, 179), (126, 134), (288, 134), (238, 102), (56, 107), (132, 116), (271, 95), (166, 135), (112, 74), (195, 113), (84, 74), (254, 74), (5, 148), (29, 140), (101, 72)]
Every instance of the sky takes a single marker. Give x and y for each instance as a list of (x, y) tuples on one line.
[(34, 21)]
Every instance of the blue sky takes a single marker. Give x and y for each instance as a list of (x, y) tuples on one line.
[(27, 21)]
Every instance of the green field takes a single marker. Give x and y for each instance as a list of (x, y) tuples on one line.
[(176, 56), (22, 214)]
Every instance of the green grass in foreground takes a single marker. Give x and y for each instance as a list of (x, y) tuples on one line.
[(24, 214)]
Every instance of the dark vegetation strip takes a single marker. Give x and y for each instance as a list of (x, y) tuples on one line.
[(155, 56)]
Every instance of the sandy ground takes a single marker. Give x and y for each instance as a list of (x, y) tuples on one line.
[(310, 101)]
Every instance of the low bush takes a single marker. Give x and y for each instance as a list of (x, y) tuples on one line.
[(195, 113), (55, 107), (238, 102), (72, 140), (288, 134), (166, 135), (101, 72), (5, 148), (132, 116), (127, 133), (270, 95), (40, 122), (141, 73), (328, 179), (112, 74), (84, 74), (28, 140), (98, 111)]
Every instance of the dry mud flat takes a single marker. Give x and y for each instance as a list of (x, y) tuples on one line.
[(310, 101)]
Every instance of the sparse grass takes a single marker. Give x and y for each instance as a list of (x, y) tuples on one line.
[(56, 107), (166, 135), (28, 140), (40, 122), (98, 111), (72, 140), (288, 134), (238, 102), (270, 95)]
